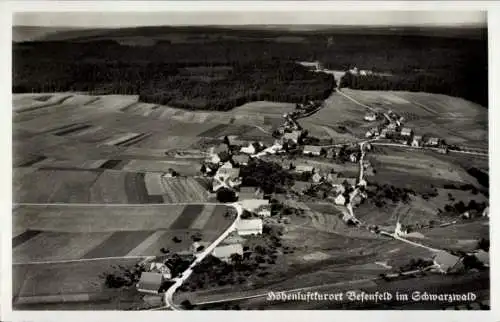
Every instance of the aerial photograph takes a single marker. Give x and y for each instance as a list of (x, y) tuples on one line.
[(169, 161)]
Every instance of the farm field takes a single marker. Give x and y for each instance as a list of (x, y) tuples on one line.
[(66, 232), (65, 283), (338, 112), (456, 120), (419, 169)]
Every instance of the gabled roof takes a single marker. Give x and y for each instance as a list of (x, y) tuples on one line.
[(150, 281), (312, 148), (294, 135), (445, 260)]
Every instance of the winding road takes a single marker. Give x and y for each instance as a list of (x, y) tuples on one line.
[(168, 297)]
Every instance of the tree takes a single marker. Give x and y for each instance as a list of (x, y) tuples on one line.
[(226, 195), (236, 258), (484, 244), (186, 304)]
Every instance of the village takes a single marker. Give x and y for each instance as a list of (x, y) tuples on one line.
[(224, 165)]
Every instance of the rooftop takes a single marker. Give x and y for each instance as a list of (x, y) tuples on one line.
[(312, 148), (150, 281)]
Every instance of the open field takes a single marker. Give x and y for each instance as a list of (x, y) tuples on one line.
[(454, 119), (63, 283), (416, 170), (338, 112), (65, 232)]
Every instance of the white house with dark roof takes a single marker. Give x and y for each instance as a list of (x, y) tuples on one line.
[(246, 227), (433, 141), (370, 117), (417, 141), (406, 131), (293, 136), (312, 150)]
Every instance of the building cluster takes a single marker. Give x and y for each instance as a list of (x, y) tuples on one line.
[(394, 130)]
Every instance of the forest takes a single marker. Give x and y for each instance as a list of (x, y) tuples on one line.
[(219, 72)]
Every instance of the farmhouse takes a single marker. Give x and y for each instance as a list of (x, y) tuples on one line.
[(447, 263), (160, 268), (293, 136), (433, 142), (370, 117), (241, 159), (312, 150), (150, 283), (353, 157), (301, 168), (224, 252), (250, 193), (247, 227), (316, 178), (252, 148), (340, 200), (226, 177), (406, 131), (417, 141)]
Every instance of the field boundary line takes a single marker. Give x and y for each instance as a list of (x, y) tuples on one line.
[(81, 260)]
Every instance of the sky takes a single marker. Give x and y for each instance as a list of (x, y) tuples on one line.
[(357, 18)]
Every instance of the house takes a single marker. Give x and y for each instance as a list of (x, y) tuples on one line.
[(383, 133), (353, 157), (417, 141), (406, 131), (241, 159), (150, 282), (250, 193), (370, 117), (263, 211), (316, 177), (293, 136), (161, 268), (246, 227), (301, 168), (443, 150), (369, 134), (312, 150), (392, 126), (224, 252), (226, 165), (226, 177), (447, 263), (433, 142), (340, 200), (252, 148)]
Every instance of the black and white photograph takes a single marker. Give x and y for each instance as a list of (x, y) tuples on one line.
[(250, 160)]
